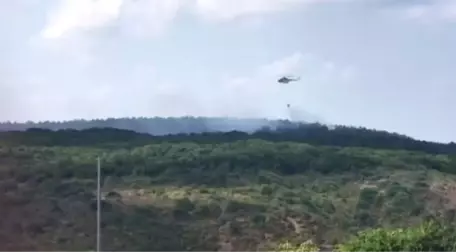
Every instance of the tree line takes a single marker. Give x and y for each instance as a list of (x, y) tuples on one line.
[(131, 132)]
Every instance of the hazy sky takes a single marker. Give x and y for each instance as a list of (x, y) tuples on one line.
[(385, 64)]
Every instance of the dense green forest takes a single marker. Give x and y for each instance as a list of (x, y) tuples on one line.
[(264, 190), (153, 126), (209, 130)]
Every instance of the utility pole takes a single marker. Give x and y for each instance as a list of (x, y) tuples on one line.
[(98, 205)]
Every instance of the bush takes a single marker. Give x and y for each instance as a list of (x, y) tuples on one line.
[(430, 236), (266, 190), (185, 205), (367, 198), (307, 246)]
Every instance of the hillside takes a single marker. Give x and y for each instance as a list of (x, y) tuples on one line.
[(207, 130), (153, 126), (231, 191)]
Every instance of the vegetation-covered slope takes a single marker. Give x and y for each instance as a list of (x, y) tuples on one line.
[(181, 193), (206, 130)]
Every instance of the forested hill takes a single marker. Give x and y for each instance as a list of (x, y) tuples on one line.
[(225, 191), (277, 131), (153, 126)]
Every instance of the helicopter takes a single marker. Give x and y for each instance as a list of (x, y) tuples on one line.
[(287, 79)]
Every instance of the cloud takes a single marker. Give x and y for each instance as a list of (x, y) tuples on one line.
[(149, 18), (283, 66), (138, 17), (152, 17), (77, 49), (222, 10), (72, 15), (432, 11), (9, 104), (53, 81), (230, 9)]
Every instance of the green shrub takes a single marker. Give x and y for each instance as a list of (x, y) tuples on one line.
[(266, 190), (307, 246), (430, 236), (185, 205), (259, 220), (367, 198)]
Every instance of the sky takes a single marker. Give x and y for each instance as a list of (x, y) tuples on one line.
[(383, 64)]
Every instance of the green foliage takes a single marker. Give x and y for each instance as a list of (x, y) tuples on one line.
[(203, 163), (430, 236), (367, 198), (308, 246), (185, 205), (112, 133), (193, 184), (267, 190)]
